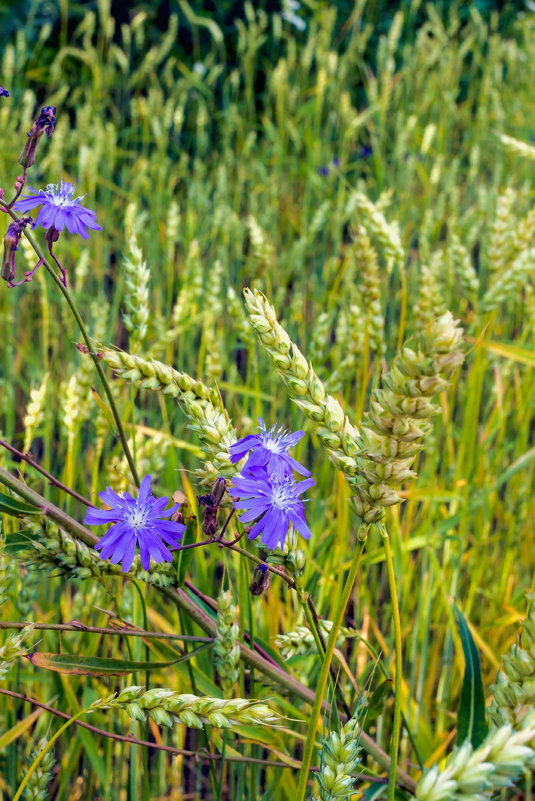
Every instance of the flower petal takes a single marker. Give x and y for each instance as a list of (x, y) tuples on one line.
[(144, 491), (96, 517), (129, 554)]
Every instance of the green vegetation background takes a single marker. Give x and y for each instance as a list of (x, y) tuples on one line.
[(205, 141)]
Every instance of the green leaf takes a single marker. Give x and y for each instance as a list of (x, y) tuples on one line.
[(101, 666), (16, 508), (19, 540), (18, 729), (512, 352), (471, 720), (185, 557)]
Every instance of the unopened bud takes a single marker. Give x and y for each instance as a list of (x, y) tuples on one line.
[(218, 490), (51, 234), (43, 124), (11, 244), (260, 581)]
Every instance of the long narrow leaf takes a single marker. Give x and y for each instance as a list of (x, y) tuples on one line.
[(471, 720), (101, 666)]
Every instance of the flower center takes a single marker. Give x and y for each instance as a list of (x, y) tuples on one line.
[(271, 445), (272, 439), (281, 494), (136, 518), (61, 194)]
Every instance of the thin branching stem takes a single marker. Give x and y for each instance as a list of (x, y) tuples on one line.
[(85, 335), (321, 655), (27, 457), (323, 677), (19, 190), (396, 724), (82, 628)]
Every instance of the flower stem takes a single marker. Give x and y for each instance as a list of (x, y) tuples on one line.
[(323, 677), (21, 187), (321, 654), (204, 732), (85, 335), (396, 725)]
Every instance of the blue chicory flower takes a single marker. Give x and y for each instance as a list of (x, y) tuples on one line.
[(59, 209), (269, 449), (273, 501), (137, 521)]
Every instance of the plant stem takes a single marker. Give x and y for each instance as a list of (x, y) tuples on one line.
[(321, 654), (27, 457), (322, 681), (396, 725), (48, 746), (21, 187), (87, 340), (118, 632), (48, 509), (204, 732)]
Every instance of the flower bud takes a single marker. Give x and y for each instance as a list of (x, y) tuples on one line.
[(260, 581), (11, 244), (218, 489), (44, 123), (295, 562), (51, 234)]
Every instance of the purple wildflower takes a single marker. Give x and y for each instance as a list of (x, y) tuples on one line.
[(324, 171), (136, 521), (274, 502), (59, 209), (3, 92), (270, 450)]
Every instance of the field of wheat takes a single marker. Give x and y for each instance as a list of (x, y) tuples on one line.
[(303, 311)]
